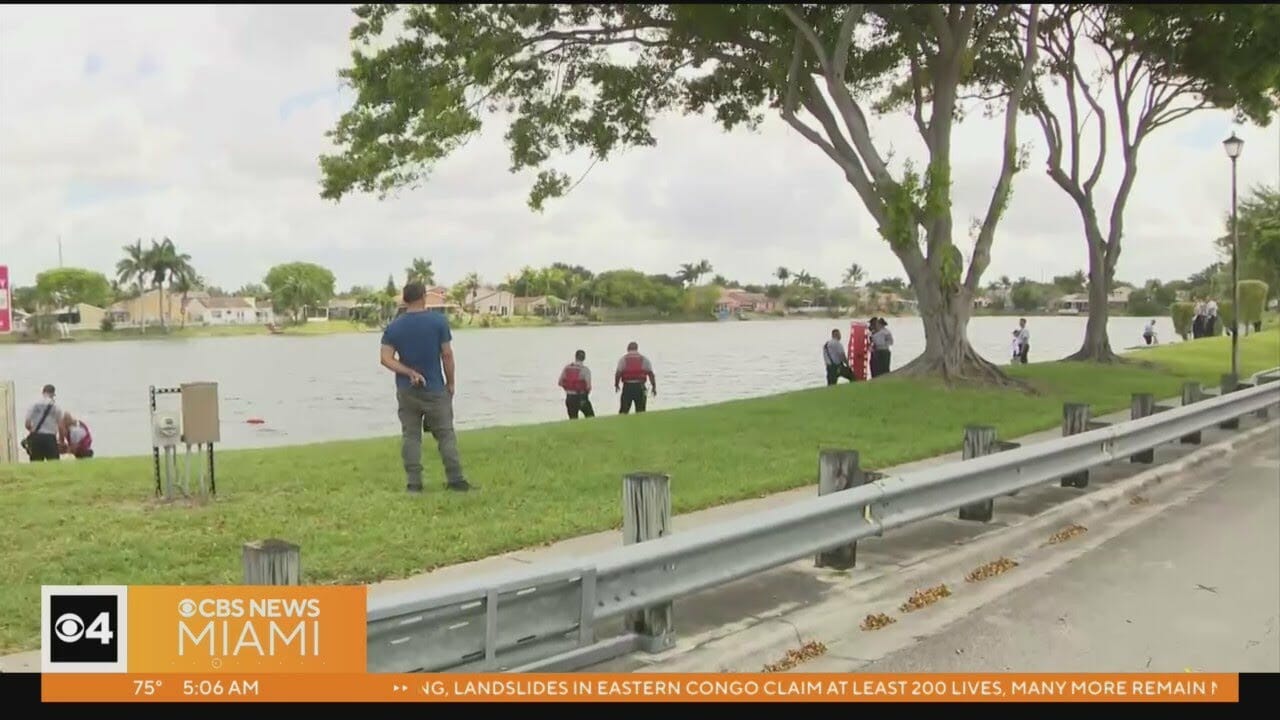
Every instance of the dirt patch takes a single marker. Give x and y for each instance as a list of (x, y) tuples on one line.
[(877, 621), (924, 598), (1067, 533), (795, 656), (991, 569), (1138, 500)]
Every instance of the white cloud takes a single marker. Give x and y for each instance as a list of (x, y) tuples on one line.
[(204, 123)]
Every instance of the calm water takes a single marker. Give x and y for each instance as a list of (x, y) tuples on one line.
[(310, 389)]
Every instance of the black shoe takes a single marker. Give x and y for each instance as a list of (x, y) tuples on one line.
[(414, 489), (463, 486)]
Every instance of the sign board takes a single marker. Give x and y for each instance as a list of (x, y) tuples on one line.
[(6, 306)]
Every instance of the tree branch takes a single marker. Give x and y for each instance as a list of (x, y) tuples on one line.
[(854, 120), (1000, 196), (845, 39), (938, 19)]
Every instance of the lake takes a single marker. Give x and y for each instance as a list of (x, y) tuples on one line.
[(309, 389)]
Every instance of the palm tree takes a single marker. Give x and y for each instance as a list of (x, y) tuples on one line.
[(421, 271), (782, 274), (803, 278), (184, 281), (471, 283), (854, 274), (133, 269), (164, 262)]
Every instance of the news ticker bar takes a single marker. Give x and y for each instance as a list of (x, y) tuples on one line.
[(629, 687)]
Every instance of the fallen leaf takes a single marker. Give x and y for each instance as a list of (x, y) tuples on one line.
[(795, 656), (877, 621), (924, 598), (991, 569)]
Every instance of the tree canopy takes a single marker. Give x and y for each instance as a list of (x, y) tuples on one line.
[(592, 77), (299, 285), (70, 286), (1259, 251), (1158, 64)]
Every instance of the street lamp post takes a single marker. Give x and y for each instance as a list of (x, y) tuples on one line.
[(1233, 145)]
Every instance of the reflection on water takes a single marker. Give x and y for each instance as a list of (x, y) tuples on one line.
[(309, 389)]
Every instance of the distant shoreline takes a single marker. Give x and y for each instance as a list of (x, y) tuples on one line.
[(344, 327)]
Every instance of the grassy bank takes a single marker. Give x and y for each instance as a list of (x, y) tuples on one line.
[(94, 521)]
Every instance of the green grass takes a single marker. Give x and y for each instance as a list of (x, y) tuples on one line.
[(94, 521)]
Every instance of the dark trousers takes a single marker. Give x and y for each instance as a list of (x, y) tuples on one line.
[(1147, 338), (835, 372), (1197, 327), (633, 394), (43, 447), (1210, 324), (1022, 353), (577, 403), (431, 410), (880, 362)]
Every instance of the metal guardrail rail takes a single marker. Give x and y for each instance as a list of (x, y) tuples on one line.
[(544, 617)]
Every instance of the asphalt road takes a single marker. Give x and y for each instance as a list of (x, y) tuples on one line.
[(1197, 587)]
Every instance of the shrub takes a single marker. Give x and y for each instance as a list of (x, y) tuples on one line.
[(107, 324), (1226, 311), (1253, 301), (1182, 314)]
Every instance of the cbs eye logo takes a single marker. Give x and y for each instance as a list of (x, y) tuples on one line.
[(84, 628)]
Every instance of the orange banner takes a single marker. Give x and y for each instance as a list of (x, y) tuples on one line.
[(246, 629), (590, 687)]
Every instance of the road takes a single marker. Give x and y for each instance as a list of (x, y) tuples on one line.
[(1197, 587)]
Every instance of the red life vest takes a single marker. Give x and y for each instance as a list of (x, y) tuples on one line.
[(571, 379), (633, 368)]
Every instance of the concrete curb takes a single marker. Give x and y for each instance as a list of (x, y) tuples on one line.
[(767, 641)]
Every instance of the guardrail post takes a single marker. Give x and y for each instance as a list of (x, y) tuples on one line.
[(646, 515), (1141, 405), (272, 562), (1075, 420), (838, 470), (979, 440), (1229, 384), (1263, 412), (1191, 393)]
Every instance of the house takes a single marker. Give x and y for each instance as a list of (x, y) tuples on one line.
[(151, 308), (225, 311), (1073, 303), (542, 305), (733, 301), (491, 301), (350, 309), (74, 318), (1119, 296)]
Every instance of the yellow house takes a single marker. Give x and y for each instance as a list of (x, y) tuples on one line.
[(148, 309), (73, 318)]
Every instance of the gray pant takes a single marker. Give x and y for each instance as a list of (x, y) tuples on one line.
[(432, 410)]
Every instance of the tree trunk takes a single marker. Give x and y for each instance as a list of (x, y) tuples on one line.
[(947, 352), (1097, 344)]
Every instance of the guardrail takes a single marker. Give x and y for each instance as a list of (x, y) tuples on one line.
[(544, 617)]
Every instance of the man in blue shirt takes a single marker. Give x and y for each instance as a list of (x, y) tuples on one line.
[(416, 347)]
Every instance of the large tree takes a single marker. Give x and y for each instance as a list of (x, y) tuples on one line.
[(67, 287), (1158, 63), (593, 77), (297, 286)]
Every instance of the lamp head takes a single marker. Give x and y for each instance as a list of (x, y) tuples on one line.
[(1233, 145)]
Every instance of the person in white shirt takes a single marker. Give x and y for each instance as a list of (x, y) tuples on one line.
[(837, 361), (881, 342), (1197, 322), (1015, 348), (1024, 341), (1210, 317), (1149, 333)]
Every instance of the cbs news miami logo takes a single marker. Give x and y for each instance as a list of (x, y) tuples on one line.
[(219, 628)]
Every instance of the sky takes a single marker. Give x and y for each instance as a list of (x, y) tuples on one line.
[(203, 123)]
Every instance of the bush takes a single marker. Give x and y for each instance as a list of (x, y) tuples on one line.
[(107, 324), (1182, 314), (1226, 311), (1253, 301)]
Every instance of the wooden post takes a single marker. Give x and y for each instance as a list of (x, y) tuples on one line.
[(1229, 384), (1075, 420), (1264, 412), (9, 427), (979, 440), (1191, 393), (272, 562), (646, 515), (837, 471), (1141, 405)]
